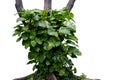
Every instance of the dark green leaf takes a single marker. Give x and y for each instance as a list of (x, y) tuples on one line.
[(17, 32), (70, 42), (31, 61), (34, 67), (18, 39), (74, 52), (31, 55), (26, 43), (36, 48), (25, 36), (72, 37), (75, 70), (42, 58), (32, 34), (38, 40), (42, 32)]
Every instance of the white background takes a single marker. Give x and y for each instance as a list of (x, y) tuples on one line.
[(98, 30)]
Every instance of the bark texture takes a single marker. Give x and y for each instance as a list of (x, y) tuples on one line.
[(47, 4), (70, 4), (19, 6)]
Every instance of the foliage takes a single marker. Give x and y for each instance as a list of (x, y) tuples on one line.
[(50, 38)]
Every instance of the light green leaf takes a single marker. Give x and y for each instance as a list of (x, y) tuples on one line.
[(20, 19), (51, 42), (52, 32), (47, 62), (42, 23), (33, 43), (36, 17), (62, 72), (64, 30), (70, 25)]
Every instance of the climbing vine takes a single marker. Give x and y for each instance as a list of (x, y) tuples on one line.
[(50, 37)]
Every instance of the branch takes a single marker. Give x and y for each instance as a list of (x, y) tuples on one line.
[(47, 4), (70, 4), (28, 76), (19, 6)]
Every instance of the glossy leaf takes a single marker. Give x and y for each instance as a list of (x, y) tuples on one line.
[(52, 32), (21, 19), (72, 37), (64, 30)]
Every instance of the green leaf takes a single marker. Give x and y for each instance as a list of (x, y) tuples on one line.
[(36, 48), (31, 78), (26, 43), (62, 72), (25, 36), (47, 62), (72, 37), (25, 28), (74, 52), (38, 40), (42, 58), (20, 19), (52, 32), (17, 32), (75, 70), (70, 42), (32, 55), (31, 61), (34, 67), (32, 34), (42, 24), (64, 30), (18, 39), (42, 32), (36, 17), (70, 25), (51, 43), (33, 43)]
